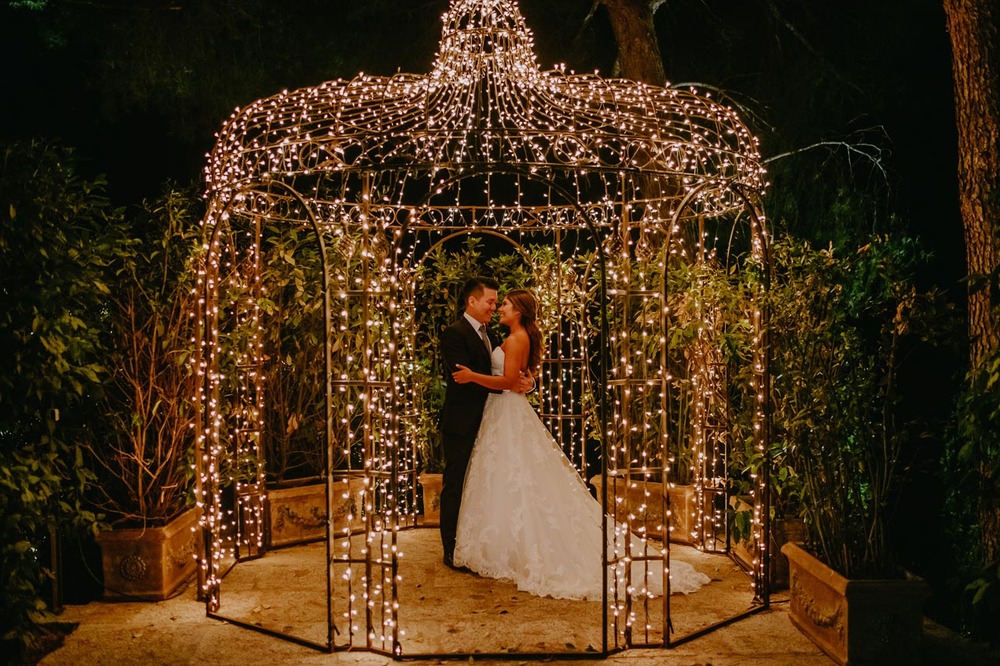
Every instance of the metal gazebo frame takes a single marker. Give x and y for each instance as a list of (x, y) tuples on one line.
[(624, 182)]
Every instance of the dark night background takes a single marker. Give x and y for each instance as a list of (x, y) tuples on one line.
[(139, 88)]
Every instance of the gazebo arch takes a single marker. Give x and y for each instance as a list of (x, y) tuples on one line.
[(645, 197)]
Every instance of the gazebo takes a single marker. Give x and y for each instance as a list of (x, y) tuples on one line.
[(632, 208)]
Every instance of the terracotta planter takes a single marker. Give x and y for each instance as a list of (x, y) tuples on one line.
[(783, 530), (431, 484), (150, 563), (298, 514), (855, 621), (682, 507)]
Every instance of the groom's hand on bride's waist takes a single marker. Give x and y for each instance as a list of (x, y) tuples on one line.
[(462, 374), (526, 383)]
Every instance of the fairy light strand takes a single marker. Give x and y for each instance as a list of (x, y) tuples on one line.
[(388, 168)]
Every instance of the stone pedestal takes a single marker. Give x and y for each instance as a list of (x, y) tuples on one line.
[(431, 485)]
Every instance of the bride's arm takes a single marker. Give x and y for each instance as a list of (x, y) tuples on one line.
[(515, 355)]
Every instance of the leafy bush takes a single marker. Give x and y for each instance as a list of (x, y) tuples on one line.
[(295, 409), (842, 326), (143, 445), (53, 247), (972, 469)]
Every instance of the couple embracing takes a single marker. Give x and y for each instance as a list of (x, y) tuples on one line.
[(512, 505)]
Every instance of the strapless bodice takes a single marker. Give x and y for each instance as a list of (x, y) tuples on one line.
[(496, 361)]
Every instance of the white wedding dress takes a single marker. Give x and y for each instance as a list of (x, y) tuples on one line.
[(528, 517)]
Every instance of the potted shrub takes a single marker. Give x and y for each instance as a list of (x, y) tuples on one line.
[(143, 455), (786, 524), (294, 435), (430, 455), (841, 327), (710, 349)]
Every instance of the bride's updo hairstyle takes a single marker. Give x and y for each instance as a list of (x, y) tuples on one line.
[(526, 305)]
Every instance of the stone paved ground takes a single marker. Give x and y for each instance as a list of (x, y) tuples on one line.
[(441, 611)]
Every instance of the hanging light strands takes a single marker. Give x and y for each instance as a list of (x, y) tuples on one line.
[(619, 183)]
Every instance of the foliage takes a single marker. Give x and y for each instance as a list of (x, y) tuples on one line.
[(711, 309), (842, 326), (972, 464), (294, 412), (52, 248), (143, 450), (292, 342), (199, 61)]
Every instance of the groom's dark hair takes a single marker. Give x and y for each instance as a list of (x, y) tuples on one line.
[(474, 286)]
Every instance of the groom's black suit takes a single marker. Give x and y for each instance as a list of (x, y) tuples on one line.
[(460, 418)]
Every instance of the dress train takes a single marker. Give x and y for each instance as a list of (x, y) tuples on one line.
[(528, 517)]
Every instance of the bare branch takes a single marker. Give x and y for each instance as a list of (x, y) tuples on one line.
[(867, 151)]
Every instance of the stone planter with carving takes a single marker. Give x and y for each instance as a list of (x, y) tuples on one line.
[(150, 563), (855, 621), (682, 507), (783, 530), (298, 514)]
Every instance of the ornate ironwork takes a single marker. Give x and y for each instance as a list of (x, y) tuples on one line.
[(624, 181)]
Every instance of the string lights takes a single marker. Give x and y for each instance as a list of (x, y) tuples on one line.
[(616, 179)]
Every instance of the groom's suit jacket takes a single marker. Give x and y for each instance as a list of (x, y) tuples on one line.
[(463, 403)]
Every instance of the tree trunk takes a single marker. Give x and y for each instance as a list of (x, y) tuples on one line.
[(638, 49), (972, 25), (973, 29)]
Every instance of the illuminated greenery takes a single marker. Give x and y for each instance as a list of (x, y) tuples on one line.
[(844, 324), (53, 244)]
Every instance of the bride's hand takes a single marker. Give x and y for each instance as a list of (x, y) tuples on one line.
[(463, 375)]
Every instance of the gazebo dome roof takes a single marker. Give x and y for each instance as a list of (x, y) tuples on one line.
[(487, 106)]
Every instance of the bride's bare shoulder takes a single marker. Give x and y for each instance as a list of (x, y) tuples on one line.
[(519, 337), (516, 341)]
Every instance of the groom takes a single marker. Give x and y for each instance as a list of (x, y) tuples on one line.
[(465, 342)]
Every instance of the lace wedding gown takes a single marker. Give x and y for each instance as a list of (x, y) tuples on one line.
[(528, 517)]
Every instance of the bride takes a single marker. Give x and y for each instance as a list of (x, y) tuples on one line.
[(526, 514)]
